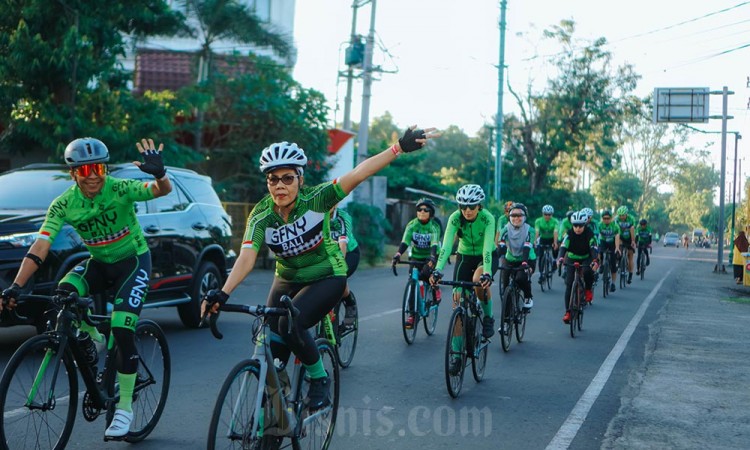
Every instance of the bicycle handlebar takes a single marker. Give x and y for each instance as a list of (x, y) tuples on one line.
[(59, 301), (463, 284), (288, 310), (410, 263)]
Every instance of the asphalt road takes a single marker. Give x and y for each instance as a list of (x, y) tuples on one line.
[(549, 391)]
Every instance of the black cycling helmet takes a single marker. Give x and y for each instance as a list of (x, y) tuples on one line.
[(606, 213), (520, 206), (428, 203), (643, 222), (86, 151), (569, 214)]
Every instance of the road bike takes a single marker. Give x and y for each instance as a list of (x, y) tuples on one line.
[(418, 303), (577, 301), (546, 266), (259, 404), (606, 273), (642, 260), (623, 264), (513, 315), (39, 386), (343, 337), (465, 341)]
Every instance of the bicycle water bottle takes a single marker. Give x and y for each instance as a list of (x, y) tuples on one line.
[(89, 348)]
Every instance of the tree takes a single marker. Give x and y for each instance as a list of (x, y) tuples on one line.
[(60, 73), (578, 113), (246, 114), (617, 188), (694, 185)]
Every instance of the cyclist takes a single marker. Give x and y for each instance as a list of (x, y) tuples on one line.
[(579, 245), (643, 239), (503, 219), (546, 229), (342, 231), (101, 209), (515, 249), (294, 221), (609, 241), (626, 222), (475, 260), (591, 222), (423, 234)]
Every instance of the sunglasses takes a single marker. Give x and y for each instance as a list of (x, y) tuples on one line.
[(465, 207), (287, 179), (516, 215), (547, 215), (423, 210), (578, 226), (85, 170), (606, 218)]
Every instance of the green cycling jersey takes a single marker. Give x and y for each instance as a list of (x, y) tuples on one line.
[(422, 237), (106, 223), (303, 246), (643, 235), (545, 227), (343, 226), (475, 238), (565, 226), (625, 226), (608, 232)]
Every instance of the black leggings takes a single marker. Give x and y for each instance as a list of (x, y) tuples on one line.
[(352, 261), (521, 277), (313, 300)]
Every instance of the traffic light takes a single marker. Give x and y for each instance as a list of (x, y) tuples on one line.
[(355, 53)]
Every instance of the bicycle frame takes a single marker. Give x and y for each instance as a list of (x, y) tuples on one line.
[(420, 287), (468, 308)]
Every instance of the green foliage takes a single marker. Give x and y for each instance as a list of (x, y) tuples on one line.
[(60, 76), (617, 188), (694, 185), (243, 115), (370, 228)]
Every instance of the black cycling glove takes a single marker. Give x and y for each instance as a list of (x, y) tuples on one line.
[(408, 141), (11, 292), (437, 275), (216, 296), (154, 164)]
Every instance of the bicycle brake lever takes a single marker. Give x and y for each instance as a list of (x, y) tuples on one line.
[(393, 266)]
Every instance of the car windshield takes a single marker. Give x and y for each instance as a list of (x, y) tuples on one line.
[(32, 189), (671, 235)]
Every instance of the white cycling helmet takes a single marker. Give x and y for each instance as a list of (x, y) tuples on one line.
[(579, 218), (282, 154), (588, 211), (86, 151), (548, 209), (470, 194)]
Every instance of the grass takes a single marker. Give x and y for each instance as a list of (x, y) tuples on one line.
[(742, 300)]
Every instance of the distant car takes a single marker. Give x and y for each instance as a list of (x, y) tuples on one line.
[(671, 240), (188, 233)]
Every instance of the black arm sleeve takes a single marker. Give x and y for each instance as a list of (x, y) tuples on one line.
[(402, 248)]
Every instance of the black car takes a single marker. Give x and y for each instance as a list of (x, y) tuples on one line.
[(188, 233)]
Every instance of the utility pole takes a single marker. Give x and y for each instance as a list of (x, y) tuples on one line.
[(737, 137), (499, 118), (725, 100), (364, 122), (351, 59)]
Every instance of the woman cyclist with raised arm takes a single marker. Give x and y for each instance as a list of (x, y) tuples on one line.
[(294, 221), (475, 260), (423, 235), (579, 245)]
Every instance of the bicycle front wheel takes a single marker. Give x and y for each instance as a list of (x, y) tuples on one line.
[(543, 271), (642, 265), (574, 305), (506, 319), (152, 380), (605, 278), (231, 424), (316, 432), (519, 314), (479, 350), (347, 337), (623, 271), (38, 396), (430, 320), (455, 350), (409, 314)]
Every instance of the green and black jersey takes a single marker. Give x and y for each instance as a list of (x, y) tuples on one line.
[(342, 226), (303, 246), (545, 228), (475, 238), (107, 223), (422, 237)]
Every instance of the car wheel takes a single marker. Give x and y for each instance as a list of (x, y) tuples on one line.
[(207, 277)]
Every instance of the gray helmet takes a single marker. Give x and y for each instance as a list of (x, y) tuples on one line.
[(579, 218), (86, 151), (283, 154), (470, 194)]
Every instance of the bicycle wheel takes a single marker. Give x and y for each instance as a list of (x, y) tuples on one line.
[(430, 320), (642, 265), (346, 338), (232, 418), (550, 268), (454, 381), (316, 432), (623, 270), (506, 318), (543, 270), (46, 422), (479, 351), (605, 277), (581, 309), (409, 313), (519, 315), (574, 304), (152, 381)]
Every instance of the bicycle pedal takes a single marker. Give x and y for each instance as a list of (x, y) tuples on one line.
[(116, 438)]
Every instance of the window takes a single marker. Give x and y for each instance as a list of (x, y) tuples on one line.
[(201, 191), (174, 201), (262, 9)]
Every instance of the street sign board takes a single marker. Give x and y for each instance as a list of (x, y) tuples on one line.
[(681, 105)]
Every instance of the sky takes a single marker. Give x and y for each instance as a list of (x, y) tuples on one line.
[(445, 54)]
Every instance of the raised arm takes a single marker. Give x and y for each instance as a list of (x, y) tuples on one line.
[(413, 139)]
